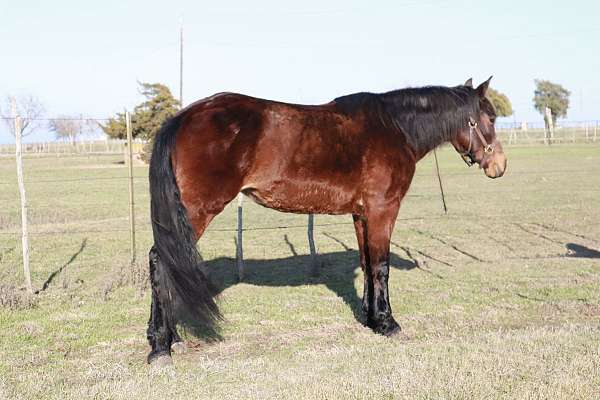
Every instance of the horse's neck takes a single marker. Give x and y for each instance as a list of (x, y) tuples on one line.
[(427, 120), (440, 137)]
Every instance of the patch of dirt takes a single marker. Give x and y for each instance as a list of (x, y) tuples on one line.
[(590, 310)]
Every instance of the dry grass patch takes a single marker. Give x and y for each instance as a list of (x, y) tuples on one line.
[(14, 298)]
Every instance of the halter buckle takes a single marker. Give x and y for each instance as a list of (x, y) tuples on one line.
[(488, 149)]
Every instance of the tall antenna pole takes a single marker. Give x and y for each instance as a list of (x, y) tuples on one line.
[(181, 64)]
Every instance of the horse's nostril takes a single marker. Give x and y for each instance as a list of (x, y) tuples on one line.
[(499, 171)]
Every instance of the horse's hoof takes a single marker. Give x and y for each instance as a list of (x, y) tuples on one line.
[(179, 348), (161, 359), (392, 330), (388, 327), (162, 365)]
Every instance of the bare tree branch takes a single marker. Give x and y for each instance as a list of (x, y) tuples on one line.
[(66, 128), (29, 108)]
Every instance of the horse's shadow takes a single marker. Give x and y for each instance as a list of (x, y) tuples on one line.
[(579, 251), (337, 271)]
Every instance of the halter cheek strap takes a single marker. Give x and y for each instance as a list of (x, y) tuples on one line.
[(468, 157)]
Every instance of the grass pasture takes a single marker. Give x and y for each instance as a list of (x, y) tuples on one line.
[(499, 299)]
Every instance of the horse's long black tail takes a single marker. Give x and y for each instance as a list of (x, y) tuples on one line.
[(188, 297)]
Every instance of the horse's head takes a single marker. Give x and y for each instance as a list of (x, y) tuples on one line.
[(477, 142)]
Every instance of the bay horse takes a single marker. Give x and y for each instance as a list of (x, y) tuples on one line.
[(355, 155)]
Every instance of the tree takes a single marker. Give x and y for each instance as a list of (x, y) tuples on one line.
[(553, 96), (500, 102), (28, 107), (115, 127), (146, 117), (66, 128)]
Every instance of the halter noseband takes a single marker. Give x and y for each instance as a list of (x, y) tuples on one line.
[(468, 156)]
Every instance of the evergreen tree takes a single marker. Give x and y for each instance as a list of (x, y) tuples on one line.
[(147, 117)]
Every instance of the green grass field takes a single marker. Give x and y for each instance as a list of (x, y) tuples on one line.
[(498, 299)]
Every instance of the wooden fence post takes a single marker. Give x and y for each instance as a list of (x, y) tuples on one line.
[(239, 248), (311, 244), (25, 235), (131, 198)]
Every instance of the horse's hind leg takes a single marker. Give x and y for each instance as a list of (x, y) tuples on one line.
[(160, 326), (162, 333), (162, 330)]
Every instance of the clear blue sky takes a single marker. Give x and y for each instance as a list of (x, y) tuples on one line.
[(85, 57)]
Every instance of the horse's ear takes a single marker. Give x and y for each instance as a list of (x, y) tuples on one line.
[(482, 89), (469, 83)]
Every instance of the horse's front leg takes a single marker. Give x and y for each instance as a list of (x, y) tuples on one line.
[(379, 227), (360, 229)]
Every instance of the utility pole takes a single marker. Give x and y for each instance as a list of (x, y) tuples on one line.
[(181, 64)]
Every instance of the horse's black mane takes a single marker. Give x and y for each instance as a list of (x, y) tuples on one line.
[(427, 116)]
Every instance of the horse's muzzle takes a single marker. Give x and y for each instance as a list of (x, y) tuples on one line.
[(497, 166)]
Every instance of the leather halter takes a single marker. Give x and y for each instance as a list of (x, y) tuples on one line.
[(468, 156)]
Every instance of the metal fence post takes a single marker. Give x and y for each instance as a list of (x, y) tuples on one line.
[(239, 248), (311, 244)]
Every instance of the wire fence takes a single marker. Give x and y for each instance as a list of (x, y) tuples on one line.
[(145, 227), (59, 148), (531, 133)]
